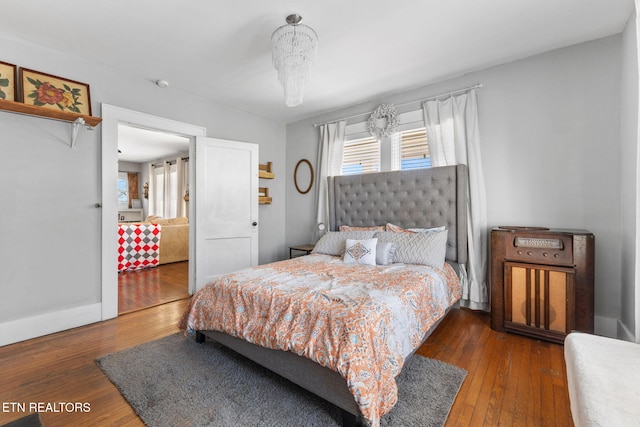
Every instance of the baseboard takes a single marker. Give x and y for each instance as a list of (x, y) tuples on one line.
[(44, 324)]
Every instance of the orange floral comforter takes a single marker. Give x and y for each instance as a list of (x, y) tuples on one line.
[(359, 320)]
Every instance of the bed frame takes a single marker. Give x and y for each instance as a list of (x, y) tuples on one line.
[(420, 198)]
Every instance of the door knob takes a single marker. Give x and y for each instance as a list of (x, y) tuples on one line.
[(254, 223)]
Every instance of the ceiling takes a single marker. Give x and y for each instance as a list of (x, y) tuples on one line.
[(142, 145), (367, 48)]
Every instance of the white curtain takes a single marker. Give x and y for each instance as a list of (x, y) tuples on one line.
[(169, 207), (330, 151), (454, 138), (182, 185), (153, 207), (168, 183)]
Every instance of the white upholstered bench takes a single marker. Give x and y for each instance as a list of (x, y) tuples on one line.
[(603, 375)]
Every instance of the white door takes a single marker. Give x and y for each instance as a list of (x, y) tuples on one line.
[(226, 202)]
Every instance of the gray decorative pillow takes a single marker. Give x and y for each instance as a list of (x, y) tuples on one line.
[(385, 253), (333, 242), (417, 248), (360, 251)]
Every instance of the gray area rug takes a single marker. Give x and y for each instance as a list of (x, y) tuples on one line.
[(32, 420), (176, 382)]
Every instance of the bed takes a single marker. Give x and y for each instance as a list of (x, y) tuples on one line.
[(420, 199)]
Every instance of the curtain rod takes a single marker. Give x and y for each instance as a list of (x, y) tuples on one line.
[(186, 159), (477, 86)]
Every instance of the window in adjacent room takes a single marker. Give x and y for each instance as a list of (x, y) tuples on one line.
[(123, 190)]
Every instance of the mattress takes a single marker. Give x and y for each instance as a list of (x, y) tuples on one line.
[(361, 321)]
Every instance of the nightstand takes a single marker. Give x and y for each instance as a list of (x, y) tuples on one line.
[(302, 248)]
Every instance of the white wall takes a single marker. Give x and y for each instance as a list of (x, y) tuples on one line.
[(50, 246), (550, 129)]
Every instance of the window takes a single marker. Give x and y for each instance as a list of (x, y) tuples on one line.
[(414, 149), (123, 190), (406, 149), (361, 156)]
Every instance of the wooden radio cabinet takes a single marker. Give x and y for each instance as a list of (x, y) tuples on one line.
[(542, 281)]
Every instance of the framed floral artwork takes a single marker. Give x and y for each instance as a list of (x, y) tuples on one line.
[(45, 90), (8, 88)]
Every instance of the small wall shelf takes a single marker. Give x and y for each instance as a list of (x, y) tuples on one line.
[(33, 110), (263, 196), (266, 171)]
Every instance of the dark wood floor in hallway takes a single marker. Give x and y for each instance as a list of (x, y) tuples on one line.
[(152, 286)]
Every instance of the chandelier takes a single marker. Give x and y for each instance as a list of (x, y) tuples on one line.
[(294, 48)]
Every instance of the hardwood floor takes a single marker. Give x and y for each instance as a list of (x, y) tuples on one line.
[(152, 286), (511, 380), (61, 368)]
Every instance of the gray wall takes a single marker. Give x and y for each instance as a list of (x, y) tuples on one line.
[(551, 152), (50, 247), (629, 180)]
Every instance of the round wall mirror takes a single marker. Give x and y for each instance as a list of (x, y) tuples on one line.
[(303, 176)]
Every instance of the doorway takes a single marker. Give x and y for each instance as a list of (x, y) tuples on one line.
[(113, 118), (153, 171)]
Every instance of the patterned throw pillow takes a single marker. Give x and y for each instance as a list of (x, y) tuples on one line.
[(418, 248), (352, 228), (333, 242), (398, 229), (360, 251)]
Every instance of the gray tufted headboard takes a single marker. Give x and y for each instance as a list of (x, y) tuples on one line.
[(420, 198)]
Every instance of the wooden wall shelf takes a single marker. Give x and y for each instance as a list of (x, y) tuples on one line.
[(34, 110), (263, 196), (266, 171), (75, 119)]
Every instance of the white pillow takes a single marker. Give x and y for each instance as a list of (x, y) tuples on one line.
[(418, 248), (360, 251), (332, 243), (385, 253)]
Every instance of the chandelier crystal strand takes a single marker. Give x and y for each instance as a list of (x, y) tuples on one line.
[(294, 51)]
